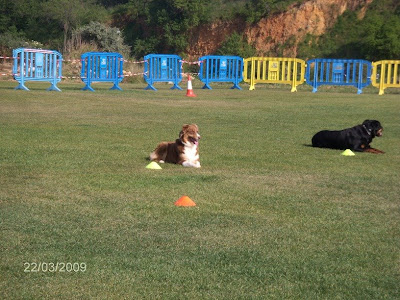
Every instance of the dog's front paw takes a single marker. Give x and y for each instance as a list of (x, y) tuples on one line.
[(191, 164)]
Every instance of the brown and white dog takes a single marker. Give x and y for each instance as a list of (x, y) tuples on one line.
[(184, 151)]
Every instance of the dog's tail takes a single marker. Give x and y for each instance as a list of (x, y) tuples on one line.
[(160, 153)]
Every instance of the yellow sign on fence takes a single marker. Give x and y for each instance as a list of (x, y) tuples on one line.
[(278, 70), (385, 73)]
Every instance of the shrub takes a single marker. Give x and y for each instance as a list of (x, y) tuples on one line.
[(236, 45), (11, 40), (106, 38)]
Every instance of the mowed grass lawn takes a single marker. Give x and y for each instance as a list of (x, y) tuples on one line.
[(275, 218)]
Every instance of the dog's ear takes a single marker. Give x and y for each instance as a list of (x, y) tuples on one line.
[(366, 122), (184, 128), (372, 123)]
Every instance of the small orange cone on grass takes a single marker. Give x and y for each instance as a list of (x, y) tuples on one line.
[(184, 201), (189, 92)]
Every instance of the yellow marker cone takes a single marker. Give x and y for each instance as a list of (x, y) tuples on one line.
[(184, 201), (153, 165), (348, 152)]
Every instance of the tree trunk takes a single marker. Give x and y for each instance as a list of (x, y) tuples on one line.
[(66, 29)]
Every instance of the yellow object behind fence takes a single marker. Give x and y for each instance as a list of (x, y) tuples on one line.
[(385, 73), (274, 70)]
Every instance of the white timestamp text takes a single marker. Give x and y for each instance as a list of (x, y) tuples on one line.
[(52, 267)]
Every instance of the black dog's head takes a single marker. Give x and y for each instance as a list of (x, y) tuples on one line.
[(373, 127)]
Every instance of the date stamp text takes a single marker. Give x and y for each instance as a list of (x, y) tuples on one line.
[(53, 267)]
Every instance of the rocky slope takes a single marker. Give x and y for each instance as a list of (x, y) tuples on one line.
[(280, 31)]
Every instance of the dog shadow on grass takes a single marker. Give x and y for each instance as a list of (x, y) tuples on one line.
[(321, 148)]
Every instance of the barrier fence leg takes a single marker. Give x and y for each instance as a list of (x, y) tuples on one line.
[(176, 86), (382, 80), (359, 86), (315, 88), (294, 74), (252, 75), (236, 86), (115, 87), (207, 86), (315, 84), (21, 86), (88, 76), (53, 87), (150, 87), (88, 87)]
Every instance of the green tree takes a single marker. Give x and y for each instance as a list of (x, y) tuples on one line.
[(22, 24), (375, 37), (236, 45), (257, 9), (381, 37), (160, 25), (72, 13)]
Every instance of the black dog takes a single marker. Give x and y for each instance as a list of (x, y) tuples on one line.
[(356, 138)]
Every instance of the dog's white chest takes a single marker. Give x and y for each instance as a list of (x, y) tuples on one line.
[(191, 157), (190, 153)]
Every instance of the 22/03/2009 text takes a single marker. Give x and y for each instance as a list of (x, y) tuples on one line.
[(35, 267)]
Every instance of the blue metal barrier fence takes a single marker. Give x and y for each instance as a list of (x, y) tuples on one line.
[(215, 68), (343, 72), (37, 65), (162, 68), (102, 67)]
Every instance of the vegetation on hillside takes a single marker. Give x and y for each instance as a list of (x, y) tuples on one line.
[(375, 37), (139, 27)]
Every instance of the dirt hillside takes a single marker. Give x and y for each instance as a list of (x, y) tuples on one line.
[(283, 29)]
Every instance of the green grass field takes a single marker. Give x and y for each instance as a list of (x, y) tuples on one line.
[(275, 218)]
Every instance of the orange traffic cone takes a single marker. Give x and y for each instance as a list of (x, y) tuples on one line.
[(184, 201), (189, 92)]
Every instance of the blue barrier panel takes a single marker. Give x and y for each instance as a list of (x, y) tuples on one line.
[(102, 67), (214, 68), (162, 68), (345, 72), (37, 65)]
